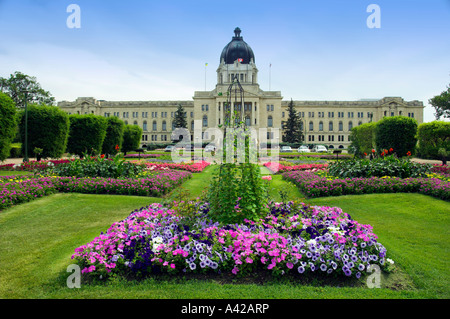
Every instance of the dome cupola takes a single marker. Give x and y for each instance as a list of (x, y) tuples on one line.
[(237, 49)]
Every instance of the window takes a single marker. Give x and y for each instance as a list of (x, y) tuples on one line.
[(311, 126), (145, 114), (282, 114), (341, 126), (192, 125), (173, 125), (203, 108), (192, 114), (154, 126), (320, 125), (311, 138), (321, 114), (350, 125), (269, 121), (331, 114), (268, 107), (164, 127), (206, 107), (330, 126), (205, 121), (270, 135), (247, 121), (135, 123), (271, 107), (144, 126), (330, 138)]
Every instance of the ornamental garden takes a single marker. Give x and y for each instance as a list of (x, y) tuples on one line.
[(300, 225)]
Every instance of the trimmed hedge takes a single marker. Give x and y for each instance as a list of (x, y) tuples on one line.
[(48, 129), (431, 137), (363, 138), (87, 133), (114, 136), (131, 138), (397, 132), (8, 125)]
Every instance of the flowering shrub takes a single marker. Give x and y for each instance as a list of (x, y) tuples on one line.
[(379, 167), (315, 186), (286, 167), (195, 167), (16, 190), (444, 169), (292, 238)]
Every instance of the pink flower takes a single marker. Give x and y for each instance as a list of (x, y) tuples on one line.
[(267, 177), (248, 260)]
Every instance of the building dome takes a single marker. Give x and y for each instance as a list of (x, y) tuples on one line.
[(237, 49)]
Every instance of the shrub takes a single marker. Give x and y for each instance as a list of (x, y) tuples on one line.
[(397, 132), (87, 133), (363, 138), (431, 137), (131, 138), (48, 129), (114, 136), (8, 125), (380, 166)]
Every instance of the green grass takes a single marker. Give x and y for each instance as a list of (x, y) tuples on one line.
[(38, 238), (14, 173)]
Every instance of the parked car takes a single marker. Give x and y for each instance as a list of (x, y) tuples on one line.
[(209, 148), (285, 149), (169, 148), (319, 149), (303, 149)]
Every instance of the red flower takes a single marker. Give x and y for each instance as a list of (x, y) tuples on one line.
[(102, 156), (373, 151), (391, 150), (382, 154), (117, 147), (409, 153), (365, 154)]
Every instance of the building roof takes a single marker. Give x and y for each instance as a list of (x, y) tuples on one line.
[(237, 49)]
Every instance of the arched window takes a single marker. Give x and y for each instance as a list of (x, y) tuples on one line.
[(311, 126), (359, 123), (341, 126), (135, 123), (350, 125), (164, 126), (205, 121), (330, 126), (320, 126), (269, 121), (144, 126), (154, 126), (248, 122)]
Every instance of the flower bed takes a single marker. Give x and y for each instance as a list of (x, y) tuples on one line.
[(443, 169), (293, 238), (16, 190), (34, 165), (322, 156), (142, 155), (193, 168), (281, 168), (314, 186)]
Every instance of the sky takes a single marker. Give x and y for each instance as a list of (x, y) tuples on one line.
[(156, 50)]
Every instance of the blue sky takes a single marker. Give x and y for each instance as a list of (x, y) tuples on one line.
[(157, 50)]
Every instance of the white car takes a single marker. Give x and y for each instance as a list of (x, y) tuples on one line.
[(319, 149), (303, 149), (286, 149), (209, 148)]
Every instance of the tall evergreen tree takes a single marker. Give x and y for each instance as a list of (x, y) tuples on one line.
[(180, 117), (293, 126)]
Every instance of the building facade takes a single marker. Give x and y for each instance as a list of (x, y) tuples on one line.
[(324, 122)]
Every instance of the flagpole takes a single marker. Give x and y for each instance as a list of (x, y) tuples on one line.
[(270, 75)]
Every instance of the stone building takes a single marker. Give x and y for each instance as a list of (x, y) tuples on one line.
[(324, 122)]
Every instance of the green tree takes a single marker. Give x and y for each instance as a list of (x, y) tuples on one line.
[(87, 133), (397, 132), (441, 104), (180, 117), (8, 125), (114, 136), (293, 126), (48, 129), (131, 138), (21, 87)]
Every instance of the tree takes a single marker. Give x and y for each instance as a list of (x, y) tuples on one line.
[(131, 138), (21, 87), (180, 117), (362, 138), (293, 126), (114, 136), (441, 104), (8, 125), (48, 129), (87, 133), (398, 133)]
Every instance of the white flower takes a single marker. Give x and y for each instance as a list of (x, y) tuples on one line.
[(390, 261), (311, 242)]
